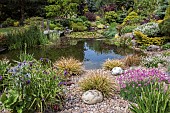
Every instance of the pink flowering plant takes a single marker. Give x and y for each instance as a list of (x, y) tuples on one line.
[(134, 80)]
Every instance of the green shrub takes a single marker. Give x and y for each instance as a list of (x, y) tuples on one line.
[(32, 87), (143, 40), (166, 46), (33, 20), (128, 29), (153, 61), (130, 18), (111, 16), (8, 22), (165, 27), (78, 26), (98, 80), (167, 12), (149, 29), (153, 100), (111, 31)]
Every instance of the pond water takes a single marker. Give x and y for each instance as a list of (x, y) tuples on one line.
[(92, 52)]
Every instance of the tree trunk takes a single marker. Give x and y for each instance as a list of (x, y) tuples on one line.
[(22, 4)]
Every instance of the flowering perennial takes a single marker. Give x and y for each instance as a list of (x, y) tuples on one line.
[(142, 75)]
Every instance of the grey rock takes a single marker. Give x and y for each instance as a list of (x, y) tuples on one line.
[(117, 70), (92, 97), (153, 48)]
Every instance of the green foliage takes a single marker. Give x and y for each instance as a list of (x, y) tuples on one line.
[(8, 22), (143, 40), (167, 12), (84, 34), (111, 31), (128, 29), (155, 99), (149, 29), (61, 8), (132, 16), (166, 46), (98, 80), (111, 16), (153, 61), (31, 86), (33, 20), (78, 26), (165, 26), (31, 35)]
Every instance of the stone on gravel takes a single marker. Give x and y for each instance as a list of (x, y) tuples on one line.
[(92, 97), (117, 70), (153, 48)]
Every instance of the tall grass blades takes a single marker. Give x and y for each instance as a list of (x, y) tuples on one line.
[(31, 35)]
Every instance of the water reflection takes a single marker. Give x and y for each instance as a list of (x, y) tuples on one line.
[(92, 52)]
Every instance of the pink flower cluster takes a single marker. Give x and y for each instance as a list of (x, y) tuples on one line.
[(142, 75)]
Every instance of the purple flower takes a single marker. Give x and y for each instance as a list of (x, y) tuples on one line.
[(41, 59), (65, 72), (28, 82), (0, 77)]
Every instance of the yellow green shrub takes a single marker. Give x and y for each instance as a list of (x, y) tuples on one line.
[(143, 39), (130, 18)]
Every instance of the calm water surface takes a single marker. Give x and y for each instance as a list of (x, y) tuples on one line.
[(91, 52)]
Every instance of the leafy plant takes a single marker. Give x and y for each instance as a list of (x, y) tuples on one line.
[(166, 46), (149, 29), (134, 81), (71, 65), (90, 16), (98, 80), (111, 16), (132, 60), (110, 64), (33, 20), (155, 99), (165, 26), (8, 22), (153, 61), (111, 31), (78, 26), (32, 86), (128, 29)]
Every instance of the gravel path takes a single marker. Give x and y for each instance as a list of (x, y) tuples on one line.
[(74, 104)]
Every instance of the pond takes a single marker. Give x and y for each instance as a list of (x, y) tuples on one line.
[(92, 52)]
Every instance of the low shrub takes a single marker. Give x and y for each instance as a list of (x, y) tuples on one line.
[(166, 46), (165, 26), (155, 99), (149, 29), (32, 87), (143, 40), (128, 29), (84, 34), (132, 60), (98, 80), (78, 26), (111, 16), (110, 64), (90, 16), (16, 24), (134, 81), (130, 18), (8, 22), (153, 61), (33, 20), (71, 65), (111, 31)]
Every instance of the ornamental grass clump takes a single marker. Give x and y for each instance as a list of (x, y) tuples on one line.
[(132, 60), (110, 64), (98, 80), (133, 81), (71, 65)]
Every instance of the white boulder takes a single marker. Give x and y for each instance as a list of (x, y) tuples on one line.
[(117, 70), (92, 97)]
